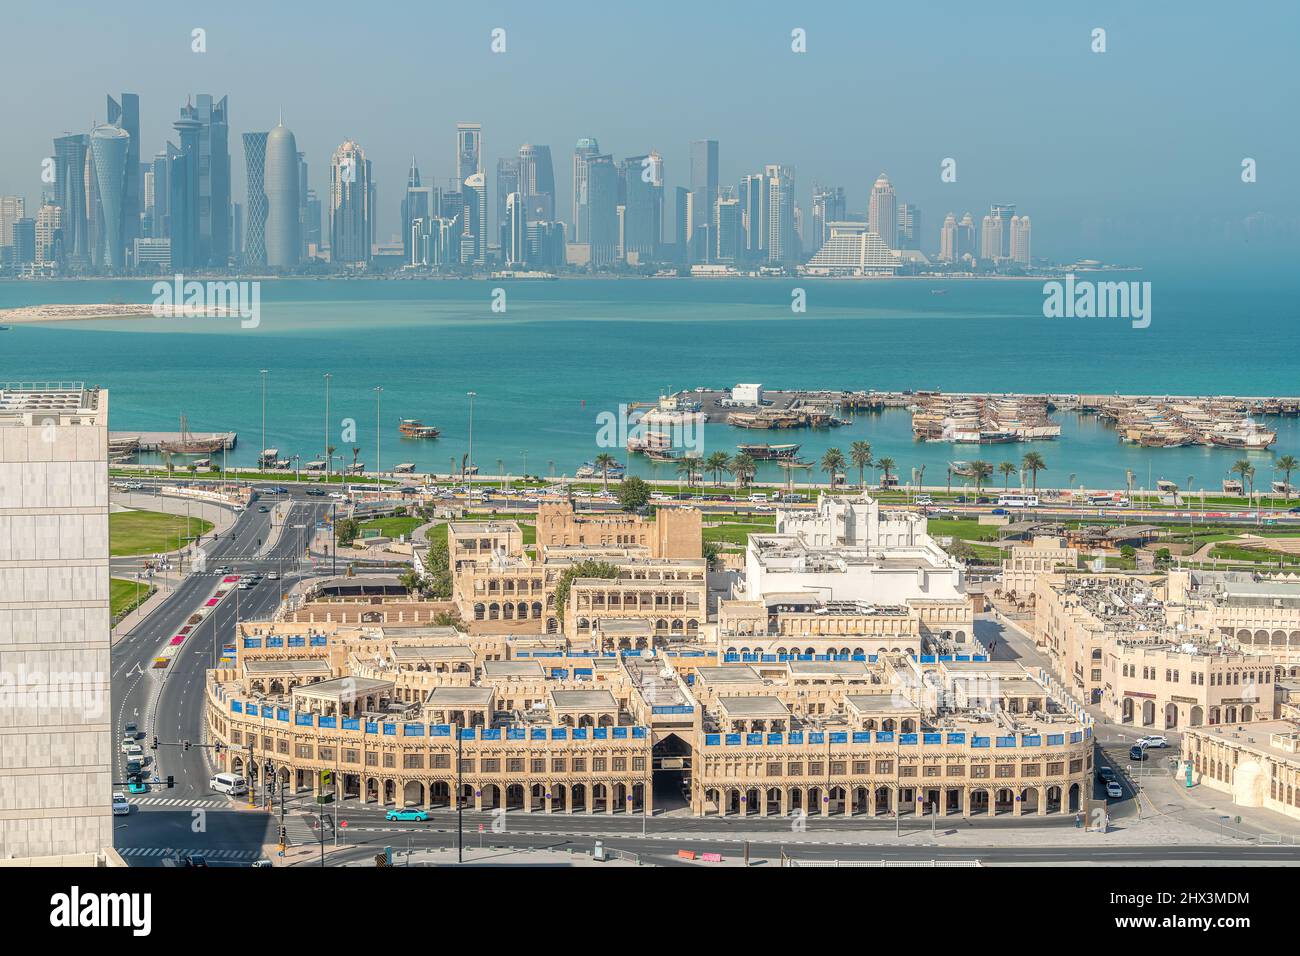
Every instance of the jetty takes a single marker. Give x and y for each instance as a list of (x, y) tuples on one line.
[(157, 441)]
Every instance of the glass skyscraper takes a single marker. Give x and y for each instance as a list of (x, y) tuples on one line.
[(255, 195)]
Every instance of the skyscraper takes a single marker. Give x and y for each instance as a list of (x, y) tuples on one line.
[(991, 238), (882, 213), (49, 233), (643, 199), (583, 152), (1003, 213), (681, 220), (255, 196), (211, 167), (966, 237), (1020, 240), (828, 206), (507, 183), (350, 226), (726, 228), (304, 212), (909, 226), (515, 233), (11, 210), (159, 224), (781, 246), (416, 204), (753, 216), (474, 236), (126, 114), (70, 195), (704, 180), (54, 621), (948, 241), (537, 182), (469, 150), (283, 217), (183, 183), (602, 210), (108, 146)]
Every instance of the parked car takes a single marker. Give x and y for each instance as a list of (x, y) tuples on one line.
[(418, 816), (121, 806), (1153, 740), (1113, 789), (1137, 752)]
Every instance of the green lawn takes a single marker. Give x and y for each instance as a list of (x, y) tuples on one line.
[(122, 595), (1229, 552), (392, 527), (735, 534), (968, 529), (149, 532)]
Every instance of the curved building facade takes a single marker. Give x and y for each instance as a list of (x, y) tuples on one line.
[(108, 149), (281, 188)]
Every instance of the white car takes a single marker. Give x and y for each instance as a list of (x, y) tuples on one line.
[(337, 494), (1113, 789), (121, 807), (132, 749), (1154, 740)]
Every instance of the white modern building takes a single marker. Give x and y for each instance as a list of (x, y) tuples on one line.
[(848, 550), (852, 249), (56, 731)]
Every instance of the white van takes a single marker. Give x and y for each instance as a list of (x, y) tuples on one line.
[(230, 783)]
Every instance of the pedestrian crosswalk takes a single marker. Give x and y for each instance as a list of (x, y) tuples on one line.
[(299, 830), (176, 803), (164, 852)]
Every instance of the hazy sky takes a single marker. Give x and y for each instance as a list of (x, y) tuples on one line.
[(1124, 155)]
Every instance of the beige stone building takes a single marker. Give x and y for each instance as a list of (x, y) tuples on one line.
[(1257, 764), (56, 739), (1044, 554), (413, 716), (1253, 614), (1116, 641)]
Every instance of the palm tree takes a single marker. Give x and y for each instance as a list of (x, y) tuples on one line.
[(832, 462), (717, 463), (689, 467), (980, 471), (860, 455), (1287, 464), (920, 477), (604, 460), (1247, 471), (1033, 463), (886, 469), (950, 479), (1006, 469), (742, 467)]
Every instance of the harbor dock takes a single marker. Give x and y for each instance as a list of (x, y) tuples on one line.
[(154, 441)]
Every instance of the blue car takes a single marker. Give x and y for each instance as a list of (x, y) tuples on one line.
[(136, 785), (418, 816), (1001, 511)]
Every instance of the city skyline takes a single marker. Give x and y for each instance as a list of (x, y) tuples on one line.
[(1000, 153)]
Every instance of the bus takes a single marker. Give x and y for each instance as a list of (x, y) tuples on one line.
[(1018, 501)]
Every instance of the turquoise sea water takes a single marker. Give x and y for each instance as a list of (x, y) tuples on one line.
[(566, 350)]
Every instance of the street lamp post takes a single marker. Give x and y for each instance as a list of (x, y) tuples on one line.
[(328, 376), (379, 390), (469, 467), (260, 460)]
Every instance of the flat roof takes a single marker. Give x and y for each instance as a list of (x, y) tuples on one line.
[(878, 703), (293, 666), (430, 652), (460, 697), (837, 668), (513, 669), (756, 706), (734, 674), (342, 687), (583, 700)]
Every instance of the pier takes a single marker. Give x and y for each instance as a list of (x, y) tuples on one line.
[(153, 441)]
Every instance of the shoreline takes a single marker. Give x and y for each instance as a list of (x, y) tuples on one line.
[(74, 312)]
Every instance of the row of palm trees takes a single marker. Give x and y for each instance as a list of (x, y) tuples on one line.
[(742, 468), (1285, 464)]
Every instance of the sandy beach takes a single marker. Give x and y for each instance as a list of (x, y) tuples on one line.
[(118, 310)]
